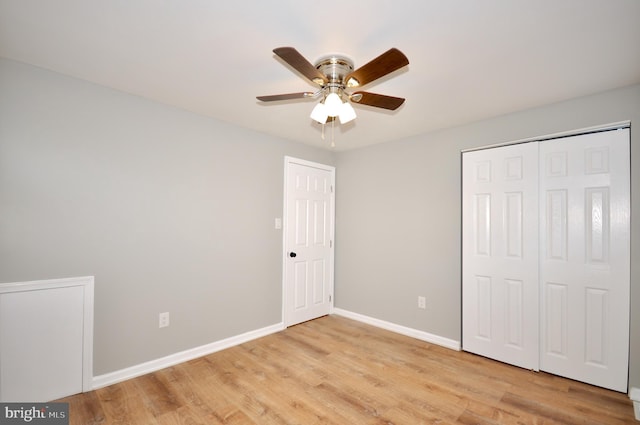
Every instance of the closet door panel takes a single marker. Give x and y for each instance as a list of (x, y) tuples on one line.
[(500, 278), (585, 258)]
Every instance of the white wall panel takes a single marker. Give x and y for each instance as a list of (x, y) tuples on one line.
[(46, 339)]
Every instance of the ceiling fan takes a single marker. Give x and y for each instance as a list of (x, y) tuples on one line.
[(335, 75)]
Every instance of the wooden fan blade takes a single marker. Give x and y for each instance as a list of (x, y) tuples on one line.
[(377, 100), (391, 60), (287, 96), (300, 64)]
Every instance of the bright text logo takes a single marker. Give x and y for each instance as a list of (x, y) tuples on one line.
[(34, 413)]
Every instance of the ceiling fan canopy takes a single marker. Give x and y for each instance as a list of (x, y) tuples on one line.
[(335, 75)]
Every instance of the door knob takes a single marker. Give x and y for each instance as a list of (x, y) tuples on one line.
[(292, 254)]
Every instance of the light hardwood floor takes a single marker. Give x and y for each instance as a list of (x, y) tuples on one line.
[(337, 371)]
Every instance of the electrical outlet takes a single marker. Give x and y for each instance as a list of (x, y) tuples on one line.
[(163, 320), (422, 303)]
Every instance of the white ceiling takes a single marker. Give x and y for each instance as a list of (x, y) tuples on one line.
[(469, 59)]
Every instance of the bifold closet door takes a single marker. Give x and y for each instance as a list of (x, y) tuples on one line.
[(500, 254), (585, 257)]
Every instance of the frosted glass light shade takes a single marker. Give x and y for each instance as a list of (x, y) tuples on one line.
[(319, 113), (333, 104), (347, 113)]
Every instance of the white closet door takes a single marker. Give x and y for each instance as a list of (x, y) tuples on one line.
[(585, 257), (500, 254)]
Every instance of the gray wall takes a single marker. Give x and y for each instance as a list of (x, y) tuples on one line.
[(169, 210), (398, 214), (174, 212)]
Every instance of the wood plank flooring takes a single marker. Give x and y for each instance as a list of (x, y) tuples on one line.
[(337, 371)]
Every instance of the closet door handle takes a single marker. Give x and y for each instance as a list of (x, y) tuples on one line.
[(292, 254)]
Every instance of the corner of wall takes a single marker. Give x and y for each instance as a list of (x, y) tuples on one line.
[(634, 395)]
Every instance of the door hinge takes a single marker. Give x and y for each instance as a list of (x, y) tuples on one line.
[(331, 188), (329, 297), (330, 243)]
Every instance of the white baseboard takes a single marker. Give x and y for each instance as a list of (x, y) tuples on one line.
[(183, 356), (111, 378), (634, 395), (403, 330)]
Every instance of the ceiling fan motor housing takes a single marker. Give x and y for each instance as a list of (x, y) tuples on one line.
[(335, 68)]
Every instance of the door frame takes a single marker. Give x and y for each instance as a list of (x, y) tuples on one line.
[(289, 160), (568, 133)]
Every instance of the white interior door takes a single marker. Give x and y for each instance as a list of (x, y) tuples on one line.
[(500, 254), (585, 257), (308, 240)]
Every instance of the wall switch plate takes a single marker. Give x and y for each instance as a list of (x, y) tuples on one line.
[(278, 223), (422, 303), (163, 320)]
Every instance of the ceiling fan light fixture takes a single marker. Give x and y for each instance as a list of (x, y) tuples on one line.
[(333, 104), (319, 113), (347, 113)]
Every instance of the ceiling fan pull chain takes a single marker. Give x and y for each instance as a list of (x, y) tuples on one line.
[(333, 126)]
